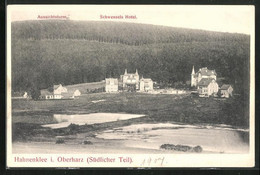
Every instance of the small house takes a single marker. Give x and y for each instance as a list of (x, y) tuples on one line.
[(146, 84), (71, 94), (207, 87), (59, 92), (68, 95), (25, 95), (58, 89), (46, 94), (226, 91), (77, 93)]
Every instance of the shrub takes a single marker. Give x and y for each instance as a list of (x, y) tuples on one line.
[(183, 148), (35, 92), (60, 141), (86, 142), (197, 149)]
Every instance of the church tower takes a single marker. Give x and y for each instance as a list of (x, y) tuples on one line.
[(193, 79)]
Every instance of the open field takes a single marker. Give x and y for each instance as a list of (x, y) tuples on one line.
[(157, 107), (84, 88)]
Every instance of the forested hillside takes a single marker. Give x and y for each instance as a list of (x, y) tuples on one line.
[(69, 52)]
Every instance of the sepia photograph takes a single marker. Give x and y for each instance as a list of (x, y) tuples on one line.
[(130, 86)]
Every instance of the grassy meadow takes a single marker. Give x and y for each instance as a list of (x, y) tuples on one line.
[(157, 107)]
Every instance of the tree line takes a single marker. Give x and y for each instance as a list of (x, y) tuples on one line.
[(112, 32)]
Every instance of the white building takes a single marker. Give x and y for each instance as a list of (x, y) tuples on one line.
[(111, 85), (46, 95), (25, 95), (130, 81), (226, 90), (58, 89), (146, 84), (202, 73), (59, 92), (77, 93), (207, 87)]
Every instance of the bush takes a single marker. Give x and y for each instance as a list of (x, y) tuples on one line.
[(86, 142), (182, 148), (35, 92), (197, 149), (60, 141)]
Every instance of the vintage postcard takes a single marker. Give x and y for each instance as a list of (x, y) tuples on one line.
[(130, 86)]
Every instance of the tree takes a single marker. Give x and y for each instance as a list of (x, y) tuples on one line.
[(219, 93), (35, 92)]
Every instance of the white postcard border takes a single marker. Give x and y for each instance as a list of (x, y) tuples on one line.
[(169, 160)]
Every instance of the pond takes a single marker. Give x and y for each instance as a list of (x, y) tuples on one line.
[(221, 139), (93, 118)]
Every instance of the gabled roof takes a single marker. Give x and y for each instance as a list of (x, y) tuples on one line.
[(67, 94), (131, 78), (70, 91), (46, 92), (225, 86), (206, 72), (205, 81), (56, 86), (130, 75), (146, 80), (126, 73), (109, 80)]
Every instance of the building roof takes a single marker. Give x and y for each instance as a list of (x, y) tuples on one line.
[(225, 86), (206, 72), (146, 80), (126, 73), (68, 94), (130, 75), (56, 86), (131, 78), (205, 81), (70, 91), (110, 80), (46, 92)]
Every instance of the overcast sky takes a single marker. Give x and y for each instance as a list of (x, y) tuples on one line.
[(233, 19)]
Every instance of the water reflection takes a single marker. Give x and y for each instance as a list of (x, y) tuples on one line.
[(82, 119), (152, 136)]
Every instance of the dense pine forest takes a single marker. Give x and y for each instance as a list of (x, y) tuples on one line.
[(70, 52)]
